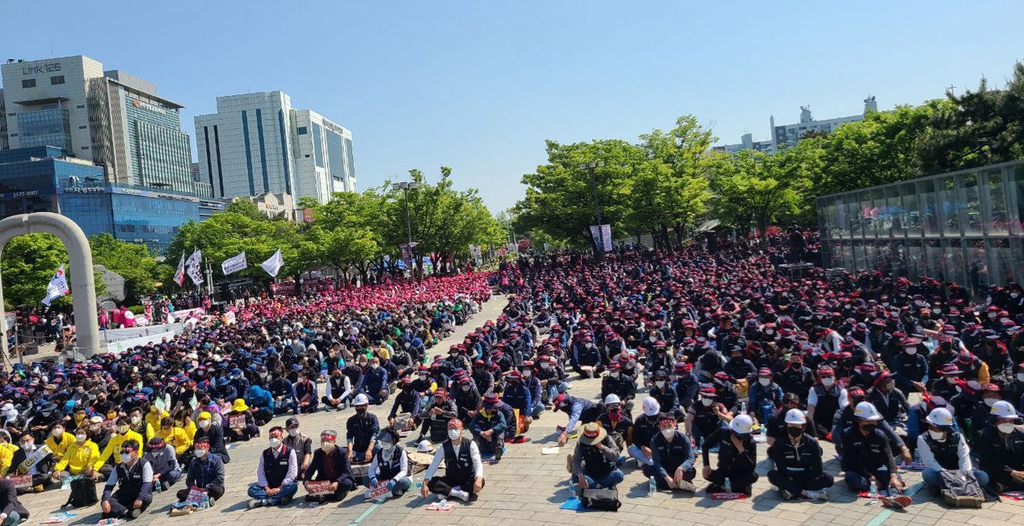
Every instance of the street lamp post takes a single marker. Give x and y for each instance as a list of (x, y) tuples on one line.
[(405, 187), (599, 240)]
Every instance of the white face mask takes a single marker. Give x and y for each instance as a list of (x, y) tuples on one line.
[(293, 432), (828, 382), (204, 424), (992, 315), (937, 310), (764, 381), (910, 350), (1020, 377), (327, 446), (660, 384), (28, 447), (613, 375), (275, 443), (1005, 427), (57, 432), (527, 374), (122, 429), (1014, 295), (126, 458), (136, 420), (937, 435), (544, 366), (200, 453), (454, 434), (81, 438), (707, 401), (769, 332), (990, 401), (668, 432), (263, 376)]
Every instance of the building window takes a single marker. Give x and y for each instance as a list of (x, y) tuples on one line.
[(59, 79), (82, 127), (28, 83), (302, 130), (80, 106)]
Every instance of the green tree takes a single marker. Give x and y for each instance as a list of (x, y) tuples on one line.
[(28, 263), (755, 189), (131, 261)]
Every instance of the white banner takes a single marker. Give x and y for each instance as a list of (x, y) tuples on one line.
[(58, 287), (179, 275), (194, 270), (274, 264), (182, 315), (602, 234), (118, 335), (232, 265), (127, 345)]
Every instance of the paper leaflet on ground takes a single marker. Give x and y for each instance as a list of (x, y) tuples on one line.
[(724, 495), (60, 518), (550, 450), (440, 506), (380, 491), (1013, 495)]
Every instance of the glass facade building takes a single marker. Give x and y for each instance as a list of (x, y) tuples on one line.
[(965, 226), (45, 127)]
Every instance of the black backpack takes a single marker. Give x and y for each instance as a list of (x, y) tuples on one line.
[(83, 493), (960, 489), (601, 499)]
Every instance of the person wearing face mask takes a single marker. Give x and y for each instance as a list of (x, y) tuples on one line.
[(374, 383), (110, 458), (594, 459), (580, 411), (824, 400), (205, 472), (330, 464), (665, 394), (464, 472), (737, 457), (174, 436), (552, 380), (483, 379), (867, 458), (301, 444), (7, 450), (408, 401), (586, 358), (276, 474), (615, 421), (59, 440), (361, 431), (241, 425), (488, 427), (153, 418), (890, 402), (798, 462), (764, 396), (390, 463), (339, 388), (79, 458), (706, 416), (467, 399), (35, 461), (910, 368), (141, 425), (162, 457), (618, 384), (946, 386), (1001, 449), (306, 392), (439, 413), (12, 512), (214, 435), (686, 387), (672, 457), (532, 386), (942, 448), (133, 479), (98, 433), (644, 428), (518, 397)]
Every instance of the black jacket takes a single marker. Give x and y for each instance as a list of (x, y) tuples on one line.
[(802, 460), (9, 502), (341, 466), (215, 434)]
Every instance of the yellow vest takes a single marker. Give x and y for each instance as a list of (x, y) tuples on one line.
[(177, 438), (78, 457), (60, 449), (7, 451), (154, 419), (114, 447)]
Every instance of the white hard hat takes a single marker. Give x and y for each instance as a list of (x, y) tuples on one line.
[(1002, 409), (361, 399), (940, 416), (796, 416), (612, 399), (867, 411), (424, 446), (741, 424), (650, 406)]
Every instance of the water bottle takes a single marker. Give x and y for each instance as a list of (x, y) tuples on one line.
[(572, 487), (652, 487), (873, 490), (743, 408)]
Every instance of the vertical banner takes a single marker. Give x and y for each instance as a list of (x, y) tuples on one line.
[(606, 237)]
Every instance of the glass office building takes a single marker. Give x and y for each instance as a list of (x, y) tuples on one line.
[(965, 226)]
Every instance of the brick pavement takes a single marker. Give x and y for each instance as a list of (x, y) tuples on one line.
[(528, 486)]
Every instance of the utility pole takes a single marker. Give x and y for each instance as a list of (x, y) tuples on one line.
[(599, 239), (405, 187)]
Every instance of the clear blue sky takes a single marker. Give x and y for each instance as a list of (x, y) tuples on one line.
[(480, 85)]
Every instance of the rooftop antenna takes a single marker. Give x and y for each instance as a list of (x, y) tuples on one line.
[(950, 89)]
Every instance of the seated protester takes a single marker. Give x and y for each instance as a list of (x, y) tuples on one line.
[(214, 435), (946, 386), (1001, 449), (726, 391), (361, 431), (706, 417), (330, 464), (441, 411), (644, 429), (32, 461), (12, 512), (184, 421), (917, 417), (580, 411), (552, 379), (672, 458), (339, 388), (518, 397), (532, 385), (467, 399), (306, 397), (890, 402), (505, 409), (764, 397), (618, 384), (276, 474), (846, 418), (390, 463), (142, 425), (205, 472), (481, 378), (942, 448), (301, 444), (488, 427), (594, 459), (7, 450), (59, 441), (164, 462), (98, 433), (824, 400), (464, 472), (173, 436), (798, 464), (111, 457), (982, 416), (374, 383), (910, 369), (79, 458), (867, 458), (665, 394), (133, 478), (776, 423), (240, 426), (737, 457), (408, 401), (686, 386), (262, 402), (615, 421)]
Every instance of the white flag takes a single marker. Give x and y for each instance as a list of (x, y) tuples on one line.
[(232, 265), (274, 264), (194, 271), (57, 287), (179, 275)]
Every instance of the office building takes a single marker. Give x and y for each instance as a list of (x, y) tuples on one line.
[(112, 118), (965, 226), (48, 179), (257, 143), (788, 135)]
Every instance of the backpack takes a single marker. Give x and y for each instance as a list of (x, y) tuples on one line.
[(601, 499), (83, 493), (960, 489)]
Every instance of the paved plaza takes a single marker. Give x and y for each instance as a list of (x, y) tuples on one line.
[(528, 486)]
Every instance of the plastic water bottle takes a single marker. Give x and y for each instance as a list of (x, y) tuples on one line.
[(873, 490), (743, 408), (572, 487), (652, 487)]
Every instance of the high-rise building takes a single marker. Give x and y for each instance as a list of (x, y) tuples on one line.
[(112, 118), (258, 144), (788, 135)]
